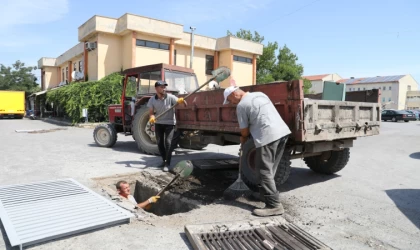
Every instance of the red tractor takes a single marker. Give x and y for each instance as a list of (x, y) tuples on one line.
[(131, 117)]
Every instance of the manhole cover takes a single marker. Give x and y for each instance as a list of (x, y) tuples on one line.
[(267, 233), (216, 163)]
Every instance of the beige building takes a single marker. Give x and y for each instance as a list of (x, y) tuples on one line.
[(318, 81), (394, 89), (413, 100), (107, 45)]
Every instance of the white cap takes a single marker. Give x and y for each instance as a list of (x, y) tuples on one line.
[(227, 92)]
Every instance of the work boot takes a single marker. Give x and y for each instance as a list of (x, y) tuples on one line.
[(165, 168), (269, 211)]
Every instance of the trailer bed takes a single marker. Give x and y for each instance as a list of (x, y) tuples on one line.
[(309, 120)]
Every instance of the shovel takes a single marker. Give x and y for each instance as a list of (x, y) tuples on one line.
[(220, 74), (182, 169)]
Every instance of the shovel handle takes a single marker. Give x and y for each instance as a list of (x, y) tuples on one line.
[(176, 104), (167, 186)]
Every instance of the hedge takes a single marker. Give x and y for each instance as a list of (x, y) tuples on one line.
[(93, 95)]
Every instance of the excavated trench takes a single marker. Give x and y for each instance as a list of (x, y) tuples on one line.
[(168, 204), (202, 187)]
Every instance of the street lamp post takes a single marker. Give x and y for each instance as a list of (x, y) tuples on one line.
[(192, 46)]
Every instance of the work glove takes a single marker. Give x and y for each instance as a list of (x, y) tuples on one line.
[(180, 100), (153, 199), (152, 119)]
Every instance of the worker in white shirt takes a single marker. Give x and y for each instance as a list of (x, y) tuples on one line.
[(124, 190)]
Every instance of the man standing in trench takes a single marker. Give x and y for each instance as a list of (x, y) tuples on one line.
[(258, 117), (165, 126), (124, 190)]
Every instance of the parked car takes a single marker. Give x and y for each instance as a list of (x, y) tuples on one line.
[(397, 115), (416, 113)]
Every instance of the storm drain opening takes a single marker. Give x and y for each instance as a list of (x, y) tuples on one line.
[(168, 203)]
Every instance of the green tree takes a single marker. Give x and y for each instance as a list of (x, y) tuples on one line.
[(18, 77), (284, 67), (287, 67), (267, 61), (307, 85), (247, 35)]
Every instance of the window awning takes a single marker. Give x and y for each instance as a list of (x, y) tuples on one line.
[(38, 93)]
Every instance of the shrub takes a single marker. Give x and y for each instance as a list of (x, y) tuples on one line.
[(93, 95)]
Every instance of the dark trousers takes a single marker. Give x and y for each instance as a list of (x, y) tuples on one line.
[(267, 160), (167, 139)]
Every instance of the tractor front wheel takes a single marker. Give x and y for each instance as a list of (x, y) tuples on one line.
[(105, 135)]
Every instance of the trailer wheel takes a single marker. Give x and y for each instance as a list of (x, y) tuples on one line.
[(105, 135), (248, 171), (188, 144), (329, 162), (144, 132)]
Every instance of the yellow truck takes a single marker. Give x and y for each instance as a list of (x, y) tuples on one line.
[(12, 104)]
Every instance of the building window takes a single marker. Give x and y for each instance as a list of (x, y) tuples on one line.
[(358, 89), (364, 88), (383, 99), (389, 87), (389, 99), (409, 87), (175, 57), (383, 88), (63, 76), (67, 73), (150, 44), (209, 64), (74, 66), (242, 59), (80, 65)]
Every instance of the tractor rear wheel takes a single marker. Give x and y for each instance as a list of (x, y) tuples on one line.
[(249, 170), (105, 135), (144, 132)]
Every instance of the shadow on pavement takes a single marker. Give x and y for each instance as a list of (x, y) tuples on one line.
[(408, 202), (150, 161), (186, 241), (122, 146), (131, 147), (5, 239), (415, 155), (301, 177)]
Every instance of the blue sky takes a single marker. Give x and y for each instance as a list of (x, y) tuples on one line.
[(352, 38)]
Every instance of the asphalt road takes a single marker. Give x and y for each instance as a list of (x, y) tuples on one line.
[(373, 203)]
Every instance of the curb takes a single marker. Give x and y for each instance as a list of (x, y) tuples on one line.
[(65, 123)]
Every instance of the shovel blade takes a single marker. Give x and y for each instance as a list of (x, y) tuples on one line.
[(183, 168)]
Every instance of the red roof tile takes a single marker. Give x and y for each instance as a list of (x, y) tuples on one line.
[(315, 77)]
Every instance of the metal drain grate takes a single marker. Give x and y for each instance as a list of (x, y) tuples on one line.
[(216, 163), (253, 235), (37, 212)]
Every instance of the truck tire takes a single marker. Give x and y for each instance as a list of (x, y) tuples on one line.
[(191, 144), (144, 133), (105, 135), (329, 162), (248, 168)]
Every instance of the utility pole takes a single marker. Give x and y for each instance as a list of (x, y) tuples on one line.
[(192, 46)]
